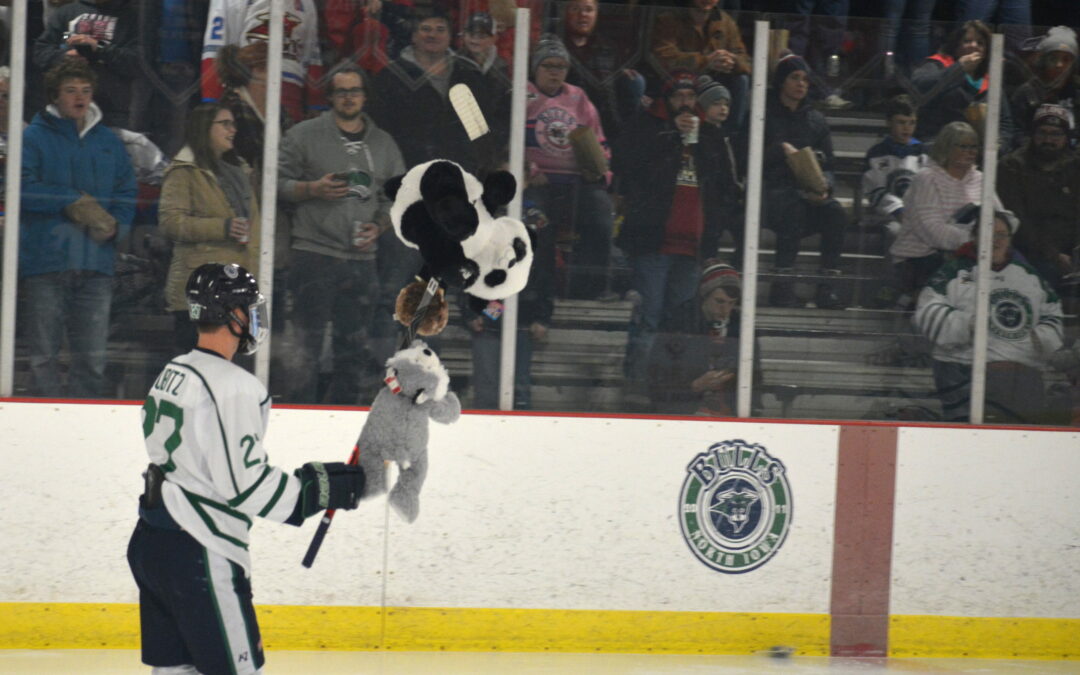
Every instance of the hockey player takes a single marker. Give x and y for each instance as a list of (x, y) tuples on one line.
[(209, 476)]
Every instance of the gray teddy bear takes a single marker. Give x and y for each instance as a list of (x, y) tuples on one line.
[(417, 387)]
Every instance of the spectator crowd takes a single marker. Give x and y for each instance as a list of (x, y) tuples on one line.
[(144, 141)]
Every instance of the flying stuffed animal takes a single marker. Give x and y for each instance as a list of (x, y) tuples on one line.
[(417, 388), (446, 213)]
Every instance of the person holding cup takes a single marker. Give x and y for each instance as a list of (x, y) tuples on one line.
[(344, 254), (208, 209), (662, 173)]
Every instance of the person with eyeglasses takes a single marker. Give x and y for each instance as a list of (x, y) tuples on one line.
[(242, 71), (1040, 182), (208, 209), (939, 209), (332, 169), (572, 195)]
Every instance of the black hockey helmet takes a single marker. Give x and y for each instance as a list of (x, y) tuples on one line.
[(214, 291)]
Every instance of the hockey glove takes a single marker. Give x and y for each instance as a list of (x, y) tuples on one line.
[(333, 485)]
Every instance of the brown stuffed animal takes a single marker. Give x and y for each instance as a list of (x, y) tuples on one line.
[(438, 312)]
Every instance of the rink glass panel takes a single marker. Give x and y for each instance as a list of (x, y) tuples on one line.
[(863, 362)]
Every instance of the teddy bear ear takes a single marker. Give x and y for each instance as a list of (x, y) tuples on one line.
[(391, 187), (499, 189)]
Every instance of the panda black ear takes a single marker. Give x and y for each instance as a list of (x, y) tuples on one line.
[(499, 189), (391, 187)]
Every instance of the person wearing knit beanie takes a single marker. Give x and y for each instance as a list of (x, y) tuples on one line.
[(718, 275), (1059, 39), (549, 46), (1052, 115), (1051, 128), (786, 66), (710, 91), (678, 79), (1056, 62), (714, 99)]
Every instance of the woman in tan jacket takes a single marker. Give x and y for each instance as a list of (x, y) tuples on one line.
[(208, 209)]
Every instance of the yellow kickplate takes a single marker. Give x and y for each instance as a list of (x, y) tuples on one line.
[(984, 637), (287, 627)]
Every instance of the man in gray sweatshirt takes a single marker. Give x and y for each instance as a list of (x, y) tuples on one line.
[(333, 168)]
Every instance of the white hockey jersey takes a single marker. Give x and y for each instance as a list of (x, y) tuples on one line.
[(890, 168), (204, 420), (240, 22), (1025, 314)]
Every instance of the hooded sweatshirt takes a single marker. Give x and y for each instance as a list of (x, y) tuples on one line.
[(316, 147), (59, 165)]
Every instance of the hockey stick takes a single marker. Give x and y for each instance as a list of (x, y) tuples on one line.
[(324, 522), (408, 336)]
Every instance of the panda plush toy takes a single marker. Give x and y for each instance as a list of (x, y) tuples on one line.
[(446, 213)]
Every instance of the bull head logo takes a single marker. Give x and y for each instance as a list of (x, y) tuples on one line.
[(733, 505)]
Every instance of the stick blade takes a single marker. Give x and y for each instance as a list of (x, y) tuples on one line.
[(468, 111)]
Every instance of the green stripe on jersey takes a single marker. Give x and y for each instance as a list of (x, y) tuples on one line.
[(277, 495), (198, 502), (240, 498)]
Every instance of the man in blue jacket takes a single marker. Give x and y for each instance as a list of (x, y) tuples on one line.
[(78, 198)]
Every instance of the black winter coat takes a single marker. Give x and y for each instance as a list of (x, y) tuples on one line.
[(802, 127), (952, 94), (646, 160), (422, 121)]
